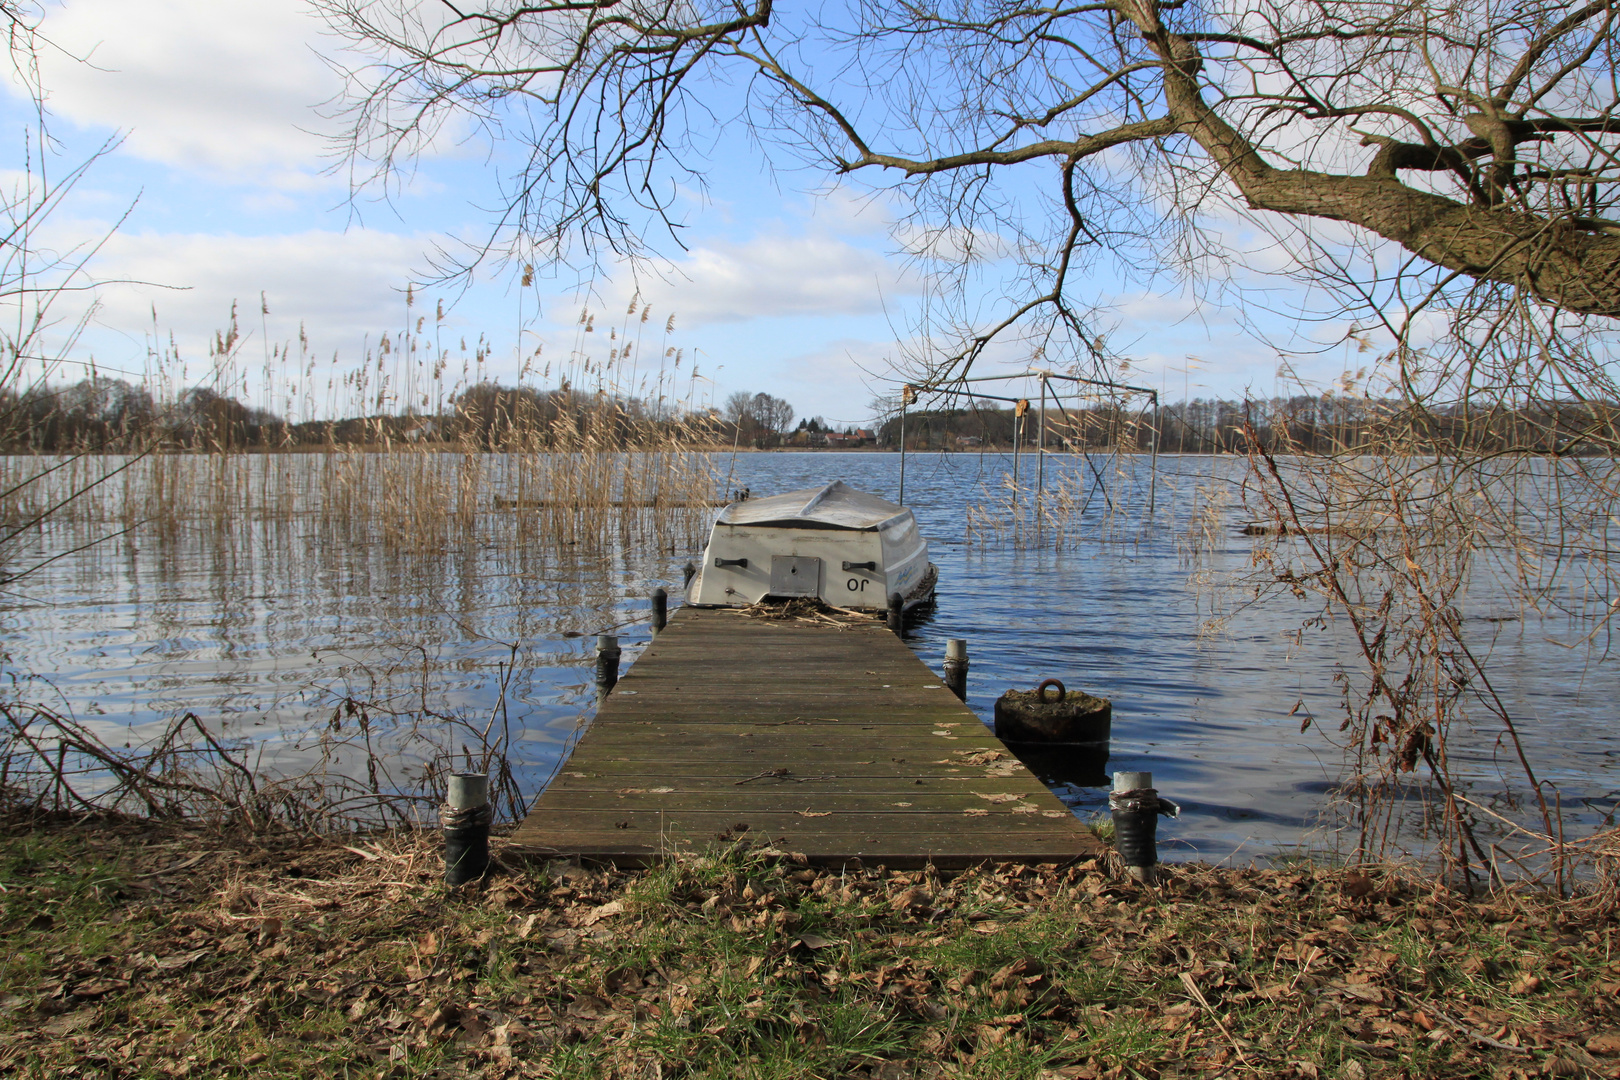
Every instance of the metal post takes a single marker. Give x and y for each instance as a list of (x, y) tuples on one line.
[(1134, 806), (1153, 469), (956, 667), (897, 614), (660, 611), (465, 817), (906, 395), (1019, 409), (607, 664), (1040, 455)]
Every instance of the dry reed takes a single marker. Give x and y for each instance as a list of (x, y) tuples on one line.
[(1087, 480), (1438, 502), (537, 473)]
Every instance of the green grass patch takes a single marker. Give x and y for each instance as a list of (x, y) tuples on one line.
[(143, 950)]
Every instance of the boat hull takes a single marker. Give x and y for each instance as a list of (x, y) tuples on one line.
[(823, 550)]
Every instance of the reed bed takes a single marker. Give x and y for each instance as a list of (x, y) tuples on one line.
[(418, 444), (381, 753), (1074, 499), (431, 469), (657, 494)]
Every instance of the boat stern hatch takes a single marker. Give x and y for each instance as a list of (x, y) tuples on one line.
[(795, 575)]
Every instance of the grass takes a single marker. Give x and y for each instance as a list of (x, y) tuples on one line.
[(148, 950)]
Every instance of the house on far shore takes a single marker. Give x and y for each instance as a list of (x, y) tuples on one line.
[(859, 437), (968, 440)]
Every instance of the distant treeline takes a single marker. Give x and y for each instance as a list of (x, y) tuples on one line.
[(1303, 424), (111, 414)]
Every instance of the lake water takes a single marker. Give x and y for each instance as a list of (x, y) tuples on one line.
[(265, 625)]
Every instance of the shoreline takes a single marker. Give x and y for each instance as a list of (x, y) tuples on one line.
[(146, 947)]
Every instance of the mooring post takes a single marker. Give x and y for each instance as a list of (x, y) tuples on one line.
[(956, 667), (897, 614), (1019, 409), (465, 817), (1134, 805), (1153, 466), (660, 614), (908, 394), (607, 664), (689, 572), (1040, 459)]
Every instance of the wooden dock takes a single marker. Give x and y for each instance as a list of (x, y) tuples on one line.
[(836, 743)]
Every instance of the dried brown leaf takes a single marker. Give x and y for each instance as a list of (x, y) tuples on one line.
[(69, 1022), (814, 941), (588, 1007), (1604, 1042), (604, 911), (180, 960), (1525, 984)]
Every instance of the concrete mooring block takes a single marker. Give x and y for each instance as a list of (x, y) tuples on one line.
[(1052, 713)]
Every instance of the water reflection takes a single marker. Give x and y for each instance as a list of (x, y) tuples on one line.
[(1066, 767), (266, 623)]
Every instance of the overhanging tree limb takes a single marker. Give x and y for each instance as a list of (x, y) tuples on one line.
[(1483, 141)]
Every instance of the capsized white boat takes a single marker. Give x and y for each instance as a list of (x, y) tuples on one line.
[(846, 547)]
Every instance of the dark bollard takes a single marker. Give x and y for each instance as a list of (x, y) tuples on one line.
[(465, 817), (1061, 735), (607, 664), (1065, 716), (897, 614), (956, 667), (660, 618), (689, 572), (1135, 807)]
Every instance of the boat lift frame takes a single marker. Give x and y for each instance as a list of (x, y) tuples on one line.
[(911, 391)]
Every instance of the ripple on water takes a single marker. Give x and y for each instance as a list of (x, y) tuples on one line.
[(268, 632)]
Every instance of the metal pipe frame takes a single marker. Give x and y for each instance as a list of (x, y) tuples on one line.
[(902, 499), (1040, 459), (1045, 376)]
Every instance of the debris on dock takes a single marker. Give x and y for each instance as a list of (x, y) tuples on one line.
[(833, 744)]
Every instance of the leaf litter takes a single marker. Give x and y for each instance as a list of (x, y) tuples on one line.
[(290, 955)]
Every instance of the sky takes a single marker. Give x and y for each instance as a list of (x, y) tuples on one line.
[(222, 178)]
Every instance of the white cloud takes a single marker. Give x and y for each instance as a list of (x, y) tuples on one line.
[(1160, 309), (341, 286), (217, 86), (771, 276), (835, 381), (954, 244), (850, 211)]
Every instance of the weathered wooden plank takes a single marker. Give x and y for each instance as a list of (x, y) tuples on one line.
[(923, 734), (858, 745), (916, 800), (722, 786), (914, 841), (846, 766), (680, 757)]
